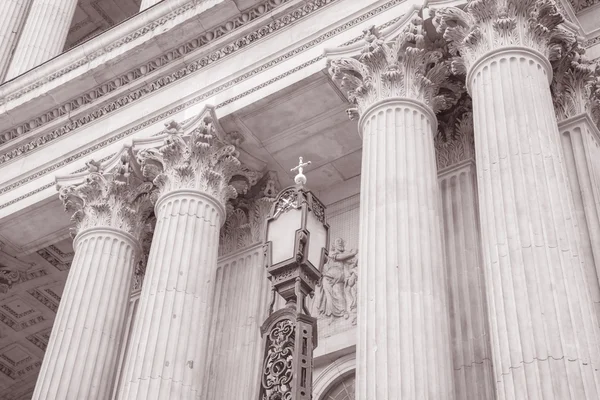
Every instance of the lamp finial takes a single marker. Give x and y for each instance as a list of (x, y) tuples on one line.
[(300, 178)]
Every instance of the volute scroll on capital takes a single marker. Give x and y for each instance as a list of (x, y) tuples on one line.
[(196, 155), (110, 196), (407, 60)]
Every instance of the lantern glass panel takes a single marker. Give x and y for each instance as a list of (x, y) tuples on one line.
[(318, 239), (282, 233)]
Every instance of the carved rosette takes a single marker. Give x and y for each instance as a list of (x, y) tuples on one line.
[(111, 200), (199, 160), (487, 25), (407, 66)]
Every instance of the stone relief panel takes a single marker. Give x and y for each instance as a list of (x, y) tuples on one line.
[(335, 301)]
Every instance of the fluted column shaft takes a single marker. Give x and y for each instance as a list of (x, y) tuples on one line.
[(43, 35), (12, 16), (582, 159), (83, 351), (469, 326), (169, 344), (403, 349), (148, 3), (544, 333), (240, 304)]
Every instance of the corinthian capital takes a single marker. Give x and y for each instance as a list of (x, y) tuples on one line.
[(197, 156), (487, 25), (114, 199), (576, 88), (408, 64)]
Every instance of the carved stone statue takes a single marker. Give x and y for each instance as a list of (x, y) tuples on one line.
[(336, 293)]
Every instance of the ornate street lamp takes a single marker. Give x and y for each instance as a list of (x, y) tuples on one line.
[(296, 243)]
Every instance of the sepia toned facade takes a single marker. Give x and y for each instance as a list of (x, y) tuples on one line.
[(455, 145)]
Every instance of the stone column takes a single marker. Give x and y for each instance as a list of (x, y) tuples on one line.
[(43, 35), (469, 328), (544, 332), (576, 94), (403, 348), (83, 351), (169, 345), (12, 16), (148, 3)]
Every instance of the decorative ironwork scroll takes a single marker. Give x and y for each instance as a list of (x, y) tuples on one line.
[(277, 370)]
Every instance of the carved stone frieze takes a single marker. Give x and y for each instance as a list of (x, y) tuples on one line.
[(140, 73), (198, 157), (487, 25), (115, 199), (21, 150), (410, 65), (246, 216)]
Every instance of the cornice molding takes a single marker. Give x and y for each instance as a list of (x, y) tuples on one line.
[(202, 97), (139, 26), (140, 73)]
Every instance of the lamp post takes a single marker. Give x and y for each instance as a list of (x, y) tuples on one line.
[(296, 242)]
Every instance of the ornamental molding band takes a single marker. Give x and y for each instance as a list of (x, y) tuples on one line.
[(247, 214), (487, 25), (195, 156), (204, 39), (576, 88), (111, 196), (22, 150), (140, 74), (405, 61)]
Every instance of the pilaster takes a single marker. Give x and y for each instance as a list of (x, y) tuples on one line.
[(43, 35), (397, 84), (544, 331), (83, 351)]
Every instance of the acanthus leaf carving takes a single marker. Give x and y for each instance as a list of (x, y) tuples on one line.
[(115, 199), (411, 65), (486, 25), (576, 86), (197, 157), (246, 216), (458, 142)]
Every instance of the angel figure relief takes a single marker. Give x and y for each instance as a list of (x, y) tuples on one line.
[(336, 293)]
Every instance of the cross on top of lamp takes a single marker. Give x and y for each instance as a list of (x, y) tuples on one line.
[(296, 242)]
